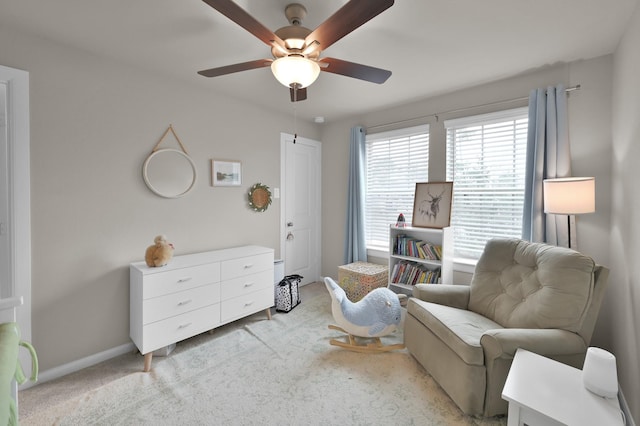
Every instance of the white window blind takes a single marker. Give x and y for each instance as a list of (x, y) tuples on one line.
[(395, 162), (486, 157)]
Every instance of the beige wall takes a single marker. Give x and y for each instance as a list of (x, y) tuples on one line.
[(622, 306), (93, 122)]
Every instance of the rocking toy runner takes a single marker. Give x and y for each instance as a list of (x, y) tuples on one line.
[(377, 314)]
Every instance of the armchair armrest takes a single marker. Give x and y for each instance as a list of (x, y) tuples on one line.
[(547, 342), (456, 296)]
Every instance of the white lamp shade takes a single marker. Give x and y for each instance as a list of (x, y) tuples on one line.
[(291, 70), (599, 373), (575, 195)]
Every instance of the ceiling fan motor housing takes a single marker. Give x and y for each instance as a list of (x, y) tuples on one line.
[(294, 35)]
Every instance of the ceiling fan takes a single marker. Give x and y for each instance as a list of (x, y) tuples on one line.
[(296, 50)]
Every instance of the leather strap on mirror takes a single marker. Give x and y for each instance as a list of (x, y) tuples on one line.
[(170, 128)]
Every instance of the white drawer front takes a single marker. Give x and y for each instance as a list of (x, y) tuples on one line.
[(175, 329), (247, 304), (246, 265), (162, 283), (170, 305), (245, 285)]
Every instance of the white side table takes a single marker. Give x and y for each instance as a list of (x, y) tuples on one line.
[(542, 391)]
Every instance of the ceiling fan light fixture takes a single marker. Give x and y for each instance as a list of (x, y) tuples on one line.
[(295, 70)]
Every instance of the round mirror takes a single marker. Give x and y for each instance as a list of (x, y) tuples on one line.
[(169, 173)]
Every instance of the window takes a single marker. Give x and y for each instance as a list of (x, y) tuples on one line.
[(395, 162), (486, 157)]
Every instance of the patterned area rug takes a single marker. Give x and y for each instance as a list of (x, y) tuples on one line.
[(264, 372)]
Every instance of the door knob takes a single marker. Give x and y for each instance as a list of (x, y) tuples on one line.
[(289, 236)]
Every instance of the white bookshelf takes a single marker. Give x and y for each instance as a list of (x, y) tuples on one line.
[(434, 236)]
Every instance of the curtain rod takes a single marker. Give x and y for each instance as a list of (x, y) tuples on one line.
[(524, 98)]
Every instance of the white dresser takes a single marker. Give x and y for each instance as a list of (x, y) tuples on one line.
[(195, 293)]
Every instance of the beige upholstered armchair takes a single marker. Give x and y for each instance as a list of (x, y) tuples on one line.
[(522, 295)]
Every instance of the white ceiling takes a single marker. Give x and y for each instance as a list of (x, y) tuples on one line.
[(432, 47)]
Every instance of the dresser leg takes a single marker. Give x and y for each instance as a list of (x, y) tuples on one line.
[(147, 361), (268, 310)]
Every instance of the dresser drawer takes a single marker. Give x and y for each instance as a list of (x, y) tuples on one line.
[(247, 304), (175, 329), (175, 280), (170, 305), (245, 285), (246, 265)]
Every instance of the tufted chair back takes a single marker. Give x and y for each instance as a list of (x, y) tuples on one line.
[(520, 284)]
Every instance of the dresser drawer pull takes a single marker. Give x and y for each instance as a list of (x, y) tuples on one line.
[(184, 302), (248, 284), (248, 266), (184, 280), (248, 303), (184, 325)]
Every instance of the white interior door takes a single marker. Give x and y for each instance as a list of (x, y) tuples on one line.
[(6, 287), (300, 213), (15, 197)]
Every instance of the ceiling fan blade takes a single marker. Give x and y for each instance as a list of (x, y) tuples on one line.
[(231, 10), (351, 69), (244, 66), (346, 19), (298, 94)]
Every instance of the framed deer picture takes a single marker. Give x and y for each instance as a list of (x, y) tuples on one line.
[(432, 204)]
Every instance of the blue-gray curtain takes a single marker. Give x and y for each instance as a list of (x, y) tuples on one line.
[(355, 248), (548, 156)]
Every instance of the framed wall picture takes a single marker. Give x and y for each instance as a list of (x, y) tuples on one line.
[(432, 204), (226, 173)]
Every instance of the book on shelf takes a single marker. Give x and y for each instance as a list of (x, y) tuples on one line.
[(410, 273), (406, 245)]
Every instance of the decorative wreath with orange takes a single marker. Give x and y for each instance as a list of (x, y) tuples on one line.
[(259, 197)]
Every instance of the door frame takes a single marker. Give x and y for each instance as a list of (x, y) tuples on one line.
[(284, 139), (19, 229)]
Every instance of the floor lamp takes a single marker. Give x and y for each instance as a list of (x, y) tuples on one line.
[(570, 196)]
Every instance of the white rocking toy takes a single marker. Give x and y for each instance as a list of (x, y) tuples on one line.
[(377, 314)]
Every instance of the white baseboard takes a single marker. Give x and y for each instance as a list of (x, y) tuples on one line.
[(77, 365)]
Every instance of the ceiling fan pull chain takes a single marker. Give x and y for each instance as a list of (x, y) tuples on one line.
[(295, 118)]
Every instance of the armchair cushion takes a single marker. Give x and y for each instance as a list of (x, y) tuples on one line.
[(460, 329), (519, 284)]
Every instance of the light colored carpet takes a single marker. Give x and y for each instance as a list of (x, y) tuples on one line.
[(256, 371)]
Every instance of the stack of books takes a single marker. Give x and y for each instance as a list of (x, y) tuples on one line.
[(405, 245), (410, 273)]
